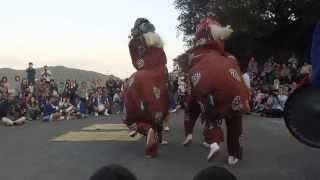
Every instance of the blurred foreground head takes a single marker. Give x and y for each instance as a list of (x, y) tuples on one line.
[(113, 172), (214, 173)]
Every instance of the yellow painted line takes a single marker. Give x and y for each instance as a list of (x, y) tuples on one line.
[(83, 136), (106, 127)]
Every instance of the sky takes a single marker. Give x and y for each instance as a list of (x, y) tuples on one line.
[(84, 34)]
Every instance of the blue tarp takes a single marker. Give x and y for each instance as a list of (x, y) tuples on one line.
[(315, 57)]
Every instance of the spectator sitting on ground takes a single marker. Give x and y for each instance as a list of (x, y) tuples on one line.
[(113, 172), (81, 111), (214, 173), (33, 109), (51, 112), (275, 104), (259, 101), (10, 113), (66, 108), (117, 103), (100, 104)]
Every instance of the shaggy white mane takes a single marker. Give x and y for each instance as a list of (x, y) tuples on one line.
[(220, 33), (152, 39)]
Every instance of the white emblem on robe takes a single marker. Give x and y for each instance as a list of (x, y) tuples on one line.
[(234, 74), (195, 78)]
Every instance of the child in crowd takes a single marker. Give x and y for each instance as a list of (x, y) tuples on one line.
[(33, 109), (66, 108), (100, 103), (51, 112)]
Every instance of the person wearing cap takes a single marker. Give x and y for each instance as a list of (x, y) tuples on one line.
[(31, 74), (218, 88), (146, 98)]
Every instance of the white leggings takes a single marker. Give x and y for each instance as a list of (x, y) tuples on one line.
[(8, 122)]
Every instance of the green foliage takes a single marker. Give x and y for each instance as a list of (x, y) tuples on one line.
[(262, 27)]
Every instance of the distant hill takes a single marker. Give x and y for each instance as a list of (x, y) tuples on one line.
[(60, 73)]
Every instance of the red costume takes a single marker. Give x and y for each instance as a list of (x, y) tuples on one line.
[(146, 98), (218, 89)]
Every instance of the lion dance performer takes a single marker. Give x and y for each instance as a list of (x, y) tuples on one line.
[(218, 90), (146, 97)]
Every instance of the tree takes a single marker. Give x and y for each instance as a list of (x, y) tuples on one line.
[(262, 27)]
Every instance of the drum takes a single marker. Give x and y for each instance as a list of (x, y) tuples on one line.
[(302, 115)]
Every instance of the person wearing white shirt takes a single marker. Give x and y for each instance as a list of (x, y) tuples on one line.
[(247, 80)]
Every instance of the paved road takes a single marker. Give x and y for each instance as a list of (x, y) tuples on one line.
[(27, 153)]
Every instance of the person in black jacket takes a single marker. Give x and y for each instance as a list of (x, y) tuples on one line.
[(31, 74), (10, 113)]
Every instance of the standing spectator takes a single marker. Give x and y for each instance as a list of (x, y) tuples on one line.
[(61, 87), (82, 92), (173, 95), (285, 74), (93, 86), (53, 88), (46, 74), (293, 60), (31, 74), (267, 70), (116, 102), (252, 66), (4, 85), (247, 80), (73, 91), (24, 87), (17, 86)]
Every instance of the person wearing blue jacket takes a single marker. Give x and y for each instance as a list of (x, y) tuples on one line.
[(315, 57)]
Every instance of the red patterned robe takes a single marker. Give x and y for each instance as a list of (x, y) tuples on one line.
[(146, 98), (218, 91)]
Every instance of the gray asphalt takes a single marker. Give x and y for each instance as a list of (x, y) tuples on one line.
[(27, 153)]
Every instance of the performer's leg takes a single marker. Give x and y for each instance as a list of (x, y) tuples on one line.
[(191, 115), (167, 123), (234, 130), (213, 137), (152, 141)]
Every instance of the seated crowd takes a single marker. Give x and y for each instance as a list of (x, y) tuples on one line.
[(47, 100), (271, 87)]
